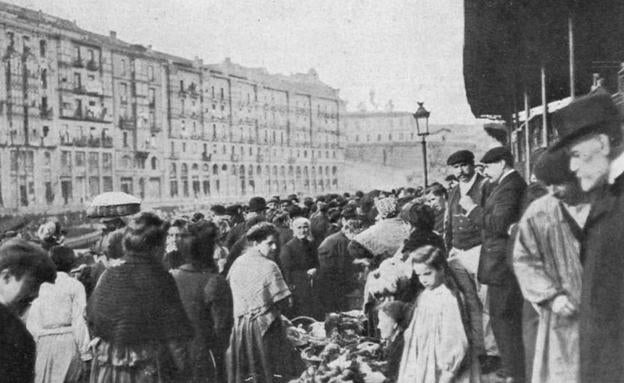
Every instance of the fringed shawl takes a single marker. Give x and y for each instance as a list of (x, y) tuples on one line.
[(257, 285), (137, 301)]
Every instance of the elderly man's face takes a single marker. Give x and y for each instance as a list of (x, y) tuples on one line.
[(589, 160), (301, 228)]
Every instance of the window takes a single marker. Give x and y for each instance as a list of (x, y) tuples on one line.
[(152, 98), (107, 161), (222, 96), (150, 72), (181, 85), (66, 191), (124, 93), (126, 185), (44, 78), (77, 81), (123, 67), (125, 139), (77, 53), (94, 186), (80, 159), (91, 55), (42, 48), (107, 184), (94, 163)]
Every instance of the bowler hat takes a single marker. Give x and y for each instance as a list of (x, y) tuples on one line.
[(460, 157), (497, 154), (218, 209), (257, 204), (592, 113)]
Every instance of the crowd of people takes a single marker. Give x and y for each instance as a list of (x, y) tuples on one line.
[(487, 274)]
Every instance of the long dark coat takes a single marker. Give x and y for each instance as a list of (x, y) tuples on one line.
[(502, 207), (336, 274), (602, 294), (296, 258)]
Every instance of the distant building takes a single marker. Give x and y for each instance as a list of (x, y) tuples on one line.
[(82, 113)]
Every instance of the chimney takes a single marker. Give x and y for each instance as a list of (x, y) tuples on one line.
[(113, 35)]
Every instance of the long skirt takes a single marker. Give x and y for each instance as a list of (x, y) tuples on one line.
[(58, 359), (254, 358)]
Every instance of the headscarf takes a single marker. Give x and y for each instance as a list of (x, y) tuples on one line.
[(386, 206)]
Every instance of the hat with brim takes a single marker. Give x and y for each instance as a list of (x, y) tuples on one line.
[(552, 167), (460, 157), (497, 154), (590, 114)]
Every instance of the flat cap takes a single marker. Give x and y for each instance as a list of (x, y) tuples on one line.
[(592, 113), (552, 167), (496, 154), (460, 157)]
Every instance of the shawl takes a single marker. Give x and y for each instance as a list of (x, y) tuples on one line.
[(257, 285), (383, 238), (137, 301)]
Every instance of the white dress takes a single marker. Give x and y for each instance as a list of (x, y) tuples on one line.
[(56, 320), (435, 341)]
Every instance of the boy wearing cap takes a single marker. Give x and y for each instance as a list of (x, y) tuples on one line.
[(590, 131), (23, 268)]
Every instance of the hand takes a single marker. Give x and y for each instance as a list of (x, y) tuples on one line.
[(312, 272), (467, 203), (561, 305)]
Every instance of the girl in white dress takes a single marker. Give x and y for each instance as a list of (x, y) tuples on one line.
[(436, 346)]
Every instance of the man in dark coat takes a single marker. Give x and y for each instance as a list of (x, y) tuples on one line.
[(337, 273), (462, 238), (500, 210), (589, 129), (319, 223)]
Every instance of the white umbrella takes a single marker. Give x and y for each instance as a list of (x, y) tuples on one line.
[(113, 204)]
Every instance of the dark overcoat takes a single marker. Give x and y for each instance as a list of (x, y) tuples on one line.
[(602, 294)]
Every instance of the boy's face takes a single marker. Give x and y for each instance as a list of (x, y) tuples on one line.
[(17, 291)]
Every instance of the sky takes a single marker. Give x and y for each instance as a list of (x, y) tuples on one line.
[(404, 50)]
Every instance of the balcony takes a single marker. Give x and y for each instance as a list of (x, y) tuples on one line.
[(155, 128), (234, 157), (107, 141), (80, 141), (92, 65), (126, 123), (78, 63), (65, 140), (80, 90), (93, 142), (174, 156), (206, 156)]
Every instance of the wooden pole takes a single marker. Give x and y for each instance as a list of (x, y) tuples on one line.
[(527, 137), (571, 48), (544, 107)]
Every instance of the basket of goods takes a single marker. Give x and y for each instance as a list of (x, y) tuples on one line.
[(113, 204)]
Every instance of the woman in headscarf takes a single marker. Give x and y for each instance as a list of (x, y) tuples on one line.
[(56, 320), (259, 350), (384, 238), (137, 315), (207, 300), (299, 262)]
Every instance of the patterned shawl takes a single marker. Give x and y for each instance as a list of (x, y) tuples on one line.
[(384, 238), (137, 301)]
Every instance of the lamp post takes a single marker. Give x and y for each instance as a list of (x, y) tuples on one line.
[(422, 127)]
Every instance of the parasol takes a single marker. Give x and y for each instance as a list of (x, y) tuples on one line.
[(113, 204)]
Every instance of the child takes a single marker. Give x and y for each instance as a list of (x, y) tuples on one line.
[(436, 346)]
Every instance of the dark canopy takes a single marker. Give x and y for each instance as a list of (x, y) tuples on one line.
[(506, 41)]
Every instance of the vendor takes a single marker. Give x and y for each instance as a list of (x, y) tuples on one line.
[(392, 321)]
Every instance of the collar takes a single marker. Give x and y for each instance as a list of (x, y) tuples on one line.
[(464, 187), (506, 174), (616, 168)]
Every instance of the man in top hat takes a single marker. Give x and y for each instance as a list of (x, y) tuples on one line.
[(462, 237), (590, 131), (495, 216), (547, 263)]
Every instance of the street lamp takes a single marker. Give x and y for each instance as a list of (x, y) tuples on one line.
[(422, 127)]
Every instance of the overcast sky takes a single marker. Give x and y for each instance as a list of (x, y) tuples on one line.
[(405, 50)]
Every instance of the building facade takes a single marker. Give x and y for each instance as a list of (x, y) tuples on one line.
[(82, 114)]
